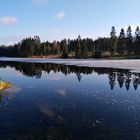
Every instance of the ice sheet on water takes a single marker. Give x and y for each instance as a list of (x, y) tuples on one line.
[(133, 64)]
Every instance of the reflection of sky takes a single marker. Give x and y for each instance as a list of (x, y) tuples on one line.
[(58, 80), (56, 97)]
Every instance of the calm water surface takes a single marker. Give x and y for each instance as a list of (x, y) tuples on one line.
[(57, 102)]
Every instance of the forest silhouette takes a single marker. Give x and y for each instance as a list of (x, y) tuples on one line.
[(126, 44)]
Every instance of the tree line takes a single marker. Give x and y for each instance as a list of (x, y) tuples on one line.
[(124, 45)]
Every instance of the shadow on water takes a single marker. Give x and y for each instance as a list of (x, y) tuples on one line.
[(69, 110)]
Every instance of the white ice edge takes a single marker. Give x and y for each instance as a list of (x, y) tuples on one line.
[(133, 64)]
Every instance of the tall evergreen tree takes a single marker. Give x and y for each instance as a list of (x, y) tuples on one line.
[(113, 40), (121, 45), (64, 48), (113, 32), (129, 32), (78, 48), (43, 49), (84, 50), (27, 47), (37, 45), (122, 34), (48, 48), (129, 40), (137, 41), (137, 33)]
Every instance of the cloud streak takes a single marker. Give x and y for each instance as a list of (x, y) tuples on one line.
[(60, 15), (8, 20), (40, 1), (10, 40), (55, 30)]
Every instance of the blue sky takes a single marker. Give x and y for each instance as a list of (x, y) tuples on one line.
[(58, 19)]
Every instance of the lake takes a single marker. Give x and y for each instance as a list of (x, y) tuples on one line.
[(58, 102)]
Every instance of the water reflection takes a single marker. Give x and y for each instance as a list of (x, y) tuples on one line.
[(58, 102), (123, 78)]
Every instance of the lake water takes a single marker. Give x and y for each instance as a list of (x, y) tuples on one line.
[(58, 102)]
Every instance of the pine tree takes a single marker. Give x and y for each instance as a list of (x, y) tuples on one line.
[(137, 41), (113, 40), (137, 33), (122, 34), (37, 45), (113, 32), (84, 50), (129, 41), (78, 48), (121, 45), (64, 48)]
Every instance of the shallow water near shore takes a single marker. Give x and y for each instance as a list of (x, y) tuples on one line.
[(53, 101)]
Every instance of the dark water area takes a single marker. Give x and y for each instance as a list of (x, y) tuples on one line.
[(58, 102)]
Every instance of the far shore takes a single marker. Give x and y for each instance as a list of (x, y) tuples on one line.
[(72, 57)]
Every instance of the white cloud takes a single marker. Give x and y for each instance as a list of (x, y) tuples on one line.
[(10, 40), (8, 20), (61, 92), (40, 1), (55, 30), (60, 15)]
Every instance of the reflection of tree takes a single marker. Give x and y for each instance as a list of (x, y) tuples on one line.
[(136, 81), (36, 69), (79, 76), (112, 78), (120, 78), (127, 80)]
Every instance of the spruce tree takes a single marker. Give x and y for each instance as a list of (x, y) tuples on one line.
[(84, 50), (113, 32), (137, 41), (129, 41), (113, 40), (121, 45), (137, 33), (78, 48)]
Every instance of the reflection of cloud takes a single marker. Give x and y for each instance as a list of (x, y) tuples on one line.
[(60, 15), (19, 74), (14, 89), (10, 94), (40, 1), (30, 87), (61, 92), (55, 30), (48, 110), (55, 78), (45, 109), (8, 20)]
